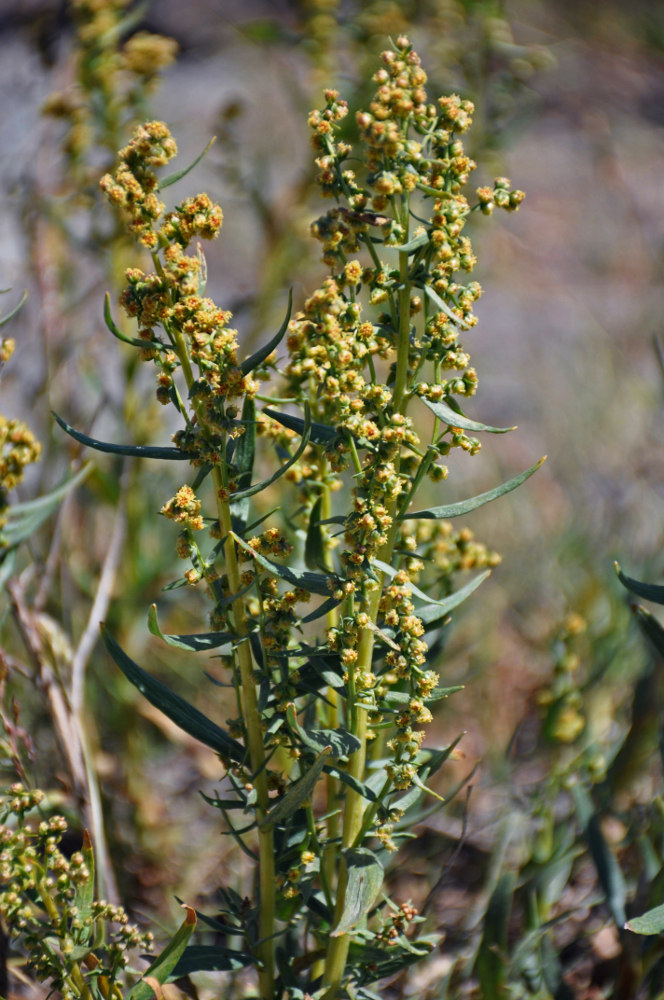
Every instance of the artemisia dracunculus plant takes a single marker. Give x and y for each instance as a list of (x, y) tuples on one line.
[(326, 610)]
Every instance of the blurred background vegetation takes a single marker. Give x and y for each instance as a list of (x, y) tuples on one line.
[(533, 873)]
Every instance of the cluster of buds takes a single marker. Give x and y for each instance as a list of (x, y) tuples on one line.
[(18, 448), (46, 898)]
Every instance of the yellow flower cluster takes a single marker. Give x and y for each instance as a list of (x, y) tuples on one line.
[(18, 448)]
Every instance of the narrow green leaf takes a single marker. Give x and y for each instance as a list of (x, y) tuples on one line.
[(262, 353), (328, 605), (443, 306), (650, 922), (209, 958), (259, 487), (245, 450), (650, 627), (10, 315), (117, 332), (320, 433), (339, 742), (162, 966), (314, 548), (455, 418), (648, 591), (298, 792), (173, 706), (365, 880), (417, 241), (608, 870), (465, 506), (179, 174), (85, 892), (133, 450), (315, 583), (491, 961), (196, 641), (362, 789), (24, 518), (448, 603)]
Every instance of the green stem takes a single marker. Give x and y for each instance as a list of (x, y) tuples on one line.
[(337, 953)]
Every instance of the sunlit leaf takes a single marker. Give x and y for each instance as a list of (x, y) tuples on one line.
[(173, 706), (455, 418), (10, 315), (319, 433), (257, 358), (465, 506), (196, 641), (133, 450), (163, 965), (315, 583), (648, 591), (314, 548), (297, 793), (24, 518), (650, 922), (365, 880), (165, 182), (209, 958)]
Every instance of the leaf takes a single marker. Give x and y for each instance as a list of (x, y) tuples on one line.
[(210, 958), (339, 742), (24, 518), (418, 241), (259, 487), (328, 605), (320, 433), (455, 418), (245, 449), (465, 506), (173, 706), (163, 966), (608, 870), (365, 880), (85, 891), (254, 360), (650, 627), (297, 793), (491, 962), (648, 591), (315, 583), (448, 603), (197, 641), (364, 790), (314, 547), (443, 306), (179, 174), (650, 922), (117, 332), (133, 450), (10, 315)]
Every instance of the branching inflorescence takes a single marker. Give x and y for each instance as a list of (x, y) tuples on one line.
[(319, 615)]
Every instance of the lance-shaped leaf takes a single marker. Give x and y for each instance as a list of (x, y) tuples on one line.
[(455, 418), (465, 506), (117, 332), (10, 315), (179, 174), (365, 880), (648, 591), (259, 487), (432, 615), (257, 358), (197, 641), (210, 958), (650, 627), (448, 603), (491, 961), (315, 583), (25, 518), (319, 433), (443, 306), (314, 548), (133, 450), (173, 706), (85, 891), (298, 792), (163, 966), (650, 922), (418, 241), (362, 789), (339, 742)]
